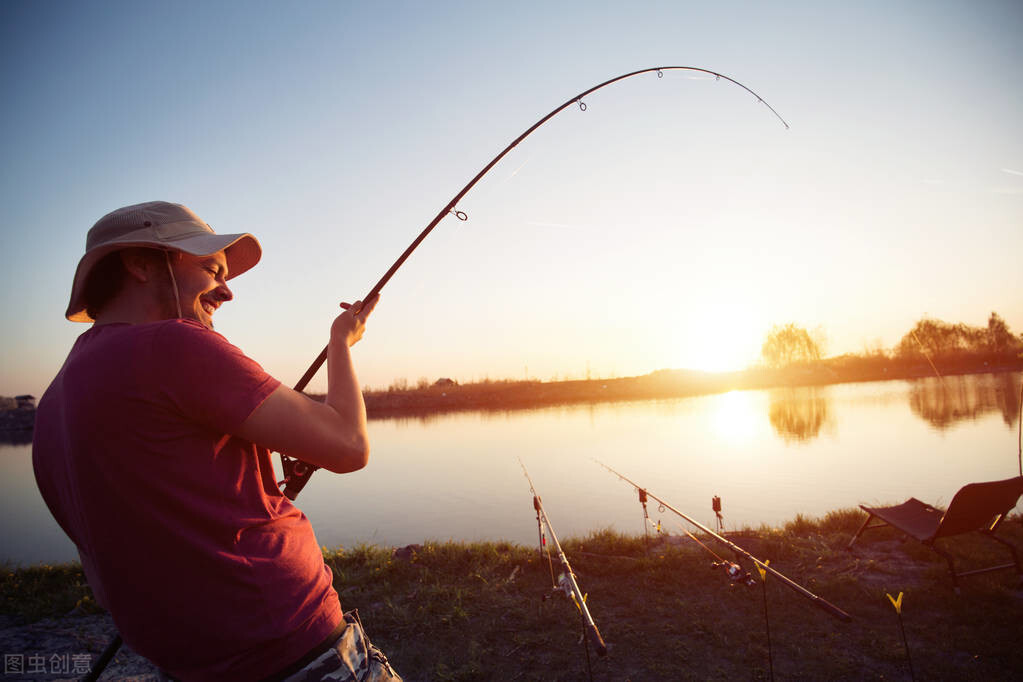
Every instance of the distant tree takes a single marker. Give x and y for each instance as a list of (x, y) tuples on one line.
[(789, 344), (999, 338), (939, 338), (930, 337), (874, 349)]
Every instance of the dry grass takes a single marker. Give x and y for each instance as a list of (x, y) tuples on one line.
[(453, 611)]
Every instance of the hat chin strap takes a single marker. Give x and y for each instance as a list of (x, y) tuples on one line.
[(174, 282)]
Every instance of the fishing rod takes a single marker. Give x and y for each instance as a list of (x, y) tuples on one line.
[(818, 601), (297, 472), (566, 581)]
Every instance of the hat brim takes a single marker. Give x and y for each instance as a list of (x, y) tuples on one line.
[(242, 252)]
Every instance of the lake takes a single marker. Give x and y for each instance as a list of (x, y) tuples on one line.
[(769, 455)]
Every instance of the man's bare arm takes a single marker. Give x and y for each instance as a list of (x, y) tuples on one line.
[(331, 434)]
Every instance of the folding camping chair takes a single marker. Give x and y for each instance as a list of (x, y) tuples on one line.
[(977, 507)]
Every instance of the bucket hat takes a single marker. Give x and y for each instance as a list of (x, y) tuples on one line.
[(157, 225)]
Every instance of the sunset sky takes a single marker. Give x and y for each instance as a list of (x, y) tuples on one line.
[(667, 226)]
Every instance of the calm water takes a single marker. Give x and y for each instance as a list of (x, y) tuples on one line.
[(768, 454)]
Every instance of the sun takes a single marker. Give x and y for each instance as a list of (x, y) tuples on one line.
[(718, 340), (722, 355)]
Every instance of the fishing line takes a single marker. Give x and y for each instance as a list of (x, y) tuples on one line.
[(928, 356), (736, 574), (700, 543), (296, 472)]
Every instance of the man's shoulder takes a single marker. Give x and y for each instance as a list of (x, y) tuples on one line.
[(186, 331), (187, 341), (167, 343)]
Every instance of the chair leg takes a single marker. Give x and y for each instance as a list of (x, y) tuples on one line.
[(1012, 548), (987, 569), (951, 568), (859, 532), (1015, 559)]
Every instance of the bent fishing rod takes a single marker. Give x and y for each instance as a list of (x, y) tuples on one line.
[(297, 472), (566, 582), (799, 589)]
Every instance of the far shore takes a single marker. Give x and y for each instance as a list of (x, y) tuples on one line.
[(446, 396), (664, 384)]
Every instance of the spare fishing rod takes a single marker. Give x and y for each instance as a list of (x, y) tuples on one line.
[(566, 582), (297, 472), (799, 589)]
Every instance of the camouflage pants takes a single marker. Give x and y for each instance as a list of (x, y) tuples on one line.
[(352, 658)]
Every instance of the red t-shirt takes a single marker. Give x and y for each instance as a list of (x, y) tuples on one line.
[(207, 569)]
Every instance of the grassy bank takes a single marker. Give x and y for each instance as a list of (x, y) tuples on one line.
[(453, 611)]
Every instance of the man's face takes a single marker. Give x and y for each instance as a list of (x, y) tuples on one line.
[(202, 285)]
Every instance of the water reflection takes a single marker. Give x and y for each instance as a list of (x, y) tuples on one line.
[(799, 414), (457, 476), (945, 402)]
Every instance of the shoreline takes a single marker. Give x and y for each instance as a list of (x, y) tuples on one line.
[(662, 384)]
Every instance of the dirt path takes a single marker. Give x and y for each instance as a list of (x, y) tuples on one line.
[(64, 648)]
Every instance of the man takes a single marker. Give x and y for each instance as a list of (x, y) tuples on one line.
[(152, 450)]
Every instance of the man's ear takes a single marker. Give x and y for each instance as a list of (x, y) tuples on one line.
[(138, 265)]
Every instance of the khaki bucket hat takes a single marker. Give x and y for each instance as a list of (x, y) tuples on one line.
[(157, 225)]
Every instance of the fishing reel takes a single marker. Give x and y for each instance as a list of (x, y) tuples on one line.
[(736, 574), (561, 588), (564, 586), (296, 475)]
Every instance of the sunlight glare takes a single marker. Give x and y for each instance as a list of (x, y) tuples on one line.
[(723, 339), (735, 416)]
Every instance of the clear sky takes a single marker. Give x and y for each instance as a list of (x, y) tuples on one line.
[(669, 225)]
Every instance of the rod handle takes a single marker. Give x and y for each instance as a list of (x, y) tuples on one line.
[(598, 641), (833, 610), (104, 659)]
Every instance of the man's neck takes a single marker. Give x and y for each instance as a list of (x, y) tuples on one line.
[(133, 307)]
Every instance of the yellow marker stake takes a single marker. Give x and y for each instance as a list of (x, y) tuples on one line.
[(897, 603), (762, 569)]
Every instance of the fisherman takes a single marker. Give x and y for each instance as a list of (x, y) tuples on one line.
[(152, 450)]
